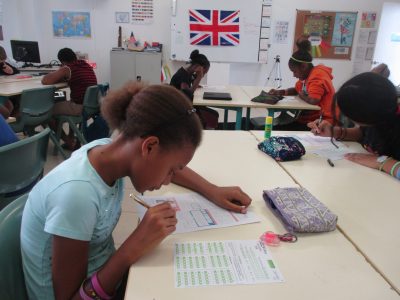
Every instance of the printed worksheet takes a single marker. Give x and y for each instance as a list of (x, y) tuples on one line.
[(194, 212), (209, 263)]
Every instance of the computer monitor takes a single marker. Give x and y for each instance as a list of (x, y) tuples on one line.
[(25, 51)]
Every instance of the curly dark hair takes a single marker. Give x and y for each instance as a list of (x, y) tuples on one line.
[(139, 110)]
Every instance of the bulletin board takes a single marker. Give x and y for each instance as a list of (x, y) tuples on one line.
[(240, 45), (331, 33)]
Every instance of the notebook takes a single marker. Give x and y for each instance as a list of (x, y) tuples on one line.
[(217, 96)]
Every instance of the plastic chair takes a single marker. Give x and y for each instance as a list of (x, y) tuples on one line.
[(36, 109), (12, 281), (91, 108), (22, 166)]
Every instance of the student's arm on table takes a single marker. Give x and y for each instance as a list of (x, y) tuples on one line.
[(326, 129), (61, 75), (287, 92), (70, 257), (231, 198), (390, 166)]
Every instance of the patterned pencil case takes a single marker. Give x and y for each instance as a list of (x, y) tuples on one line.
[(299, 210), (282, 148), (266, 98)]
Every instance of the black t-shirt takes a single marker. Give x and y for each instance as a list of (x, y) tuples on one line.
[(183, 76), (374, 141), (15, 70)]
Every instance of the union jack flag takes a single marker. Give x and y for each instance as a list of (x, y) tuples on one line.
[(214, 27)]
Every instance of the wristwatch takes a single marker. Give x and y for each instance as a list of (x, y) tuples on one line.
[(382, 158)]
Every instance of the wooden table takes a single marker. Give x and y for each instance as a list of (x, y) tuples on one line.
[(319, 266), (366, 201)]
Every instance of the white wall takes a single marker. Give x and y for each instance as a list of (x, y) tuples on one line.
[(388, 51), (37, 25)]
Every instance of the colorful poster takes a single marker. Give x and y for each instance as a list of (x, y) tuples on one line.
[(142, 11), (343, 30), (368, 19), (68, 24), (214, 27)]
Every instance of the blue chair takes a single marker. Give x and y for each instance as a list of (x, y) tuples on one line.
[(91, 109), (22, 165), (36, 109), (12, 281)]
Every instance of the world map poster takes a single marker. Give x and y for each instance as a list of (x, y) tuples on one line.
[(68, 24)]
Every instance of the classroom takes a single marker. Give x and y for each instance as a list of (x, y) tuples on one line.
[(192, 149)]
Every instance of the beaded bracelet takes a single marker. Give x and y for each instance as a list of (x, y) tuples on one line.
[(393, 168)]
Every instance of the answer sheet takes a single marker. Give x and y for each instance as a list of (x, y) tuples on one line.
[(209, 263), (194, 212)]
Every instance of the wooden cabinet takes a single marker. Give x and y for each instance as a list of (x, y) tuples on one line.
[(129, 65)]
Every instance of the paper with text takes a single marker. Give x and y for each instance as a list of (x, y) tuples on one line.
[(194, 212), (210, 263)]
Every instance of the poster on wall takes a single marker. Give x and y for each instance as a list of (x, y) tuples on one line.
[(330, 33), (343, 31), (281, 32), (142, 11), (68, 24), (368, 19), (224, 24)]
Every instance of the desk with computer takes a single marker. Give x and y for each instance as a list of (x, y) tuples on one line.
[(28, 53)]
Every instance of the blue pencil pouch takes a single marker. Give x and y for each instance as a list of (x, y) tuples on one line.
[(282, 148)]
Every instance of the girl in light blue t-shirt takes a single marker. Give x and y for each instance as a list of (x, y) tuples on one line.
[(67, 246)]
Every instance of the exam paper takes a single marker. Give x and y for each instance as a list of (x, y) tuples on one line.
[(208, 263), (194, 213)]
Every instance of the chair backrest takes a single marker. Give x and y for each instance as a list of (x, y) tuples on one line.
[(35, 107), (91, 103), (22, 165), (12, 282)]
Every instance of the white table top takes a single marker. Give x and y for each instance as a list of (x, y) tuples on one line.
[(318, 266), (16, 87), (366, 201), (292, 102), (239, 97)]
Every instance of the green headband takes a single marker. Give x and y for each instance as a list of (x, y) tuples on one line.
[(301, 61)]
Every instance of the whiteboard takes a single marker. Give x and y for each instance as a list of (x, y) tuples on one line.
[(249, 30)]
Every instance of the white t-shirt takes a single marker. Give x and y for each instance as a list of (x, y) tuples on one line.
[(74, 202)]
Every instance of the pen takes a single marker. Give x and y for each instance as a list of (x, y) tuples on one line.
[(140, 201), (320, 119), (330, 162)]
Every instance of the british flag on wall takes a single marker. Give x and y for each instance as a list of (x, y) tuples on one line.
[(214, 27)]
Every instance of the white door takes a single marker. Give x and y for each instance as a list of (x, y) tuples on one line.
[(387, 48)]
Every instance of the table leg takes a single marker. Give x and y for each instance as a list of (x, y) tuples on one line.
[(239, 111), (226, 112), (248, 110)]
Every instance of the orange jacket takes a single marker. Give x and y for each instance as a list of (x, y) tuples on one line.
[(318, 86)]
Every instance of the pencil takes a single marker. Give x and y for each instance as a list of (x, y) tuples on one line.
[(140, 201)]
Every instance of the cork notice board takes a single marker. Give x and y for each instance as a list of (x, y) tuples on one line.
[(331, 33)]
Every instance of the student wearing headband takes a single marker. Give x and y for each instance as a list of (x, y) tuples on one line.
[(314, 86), (370, 101)]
